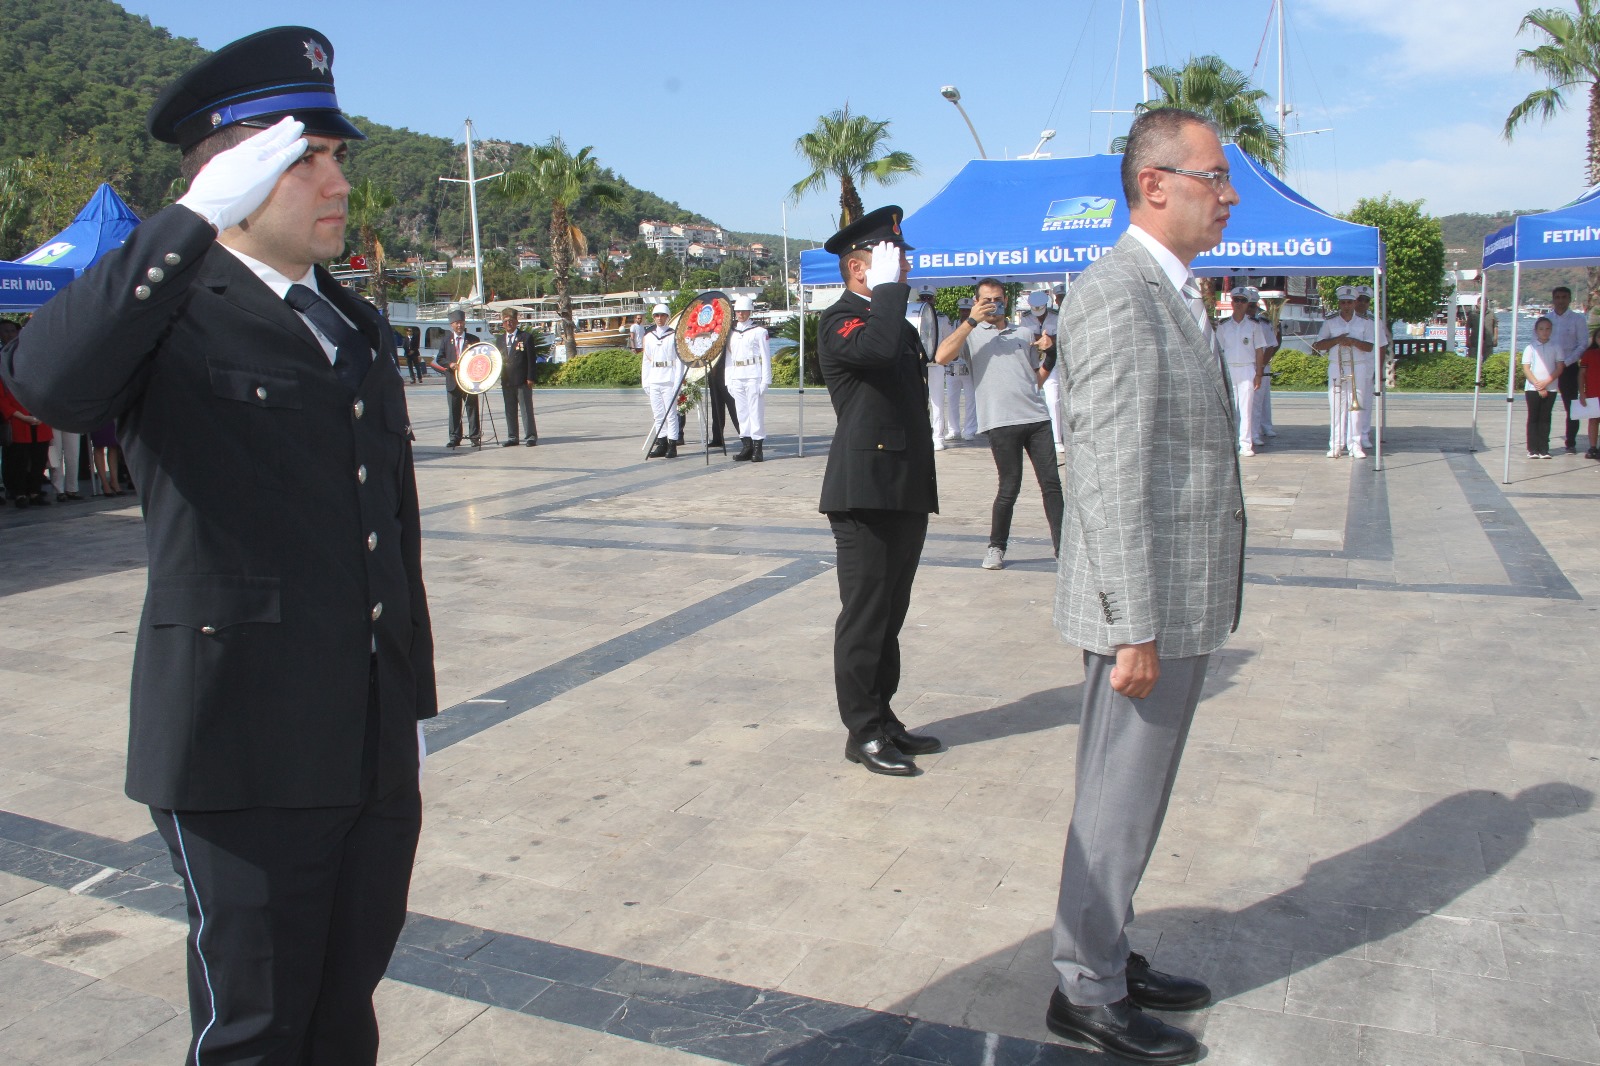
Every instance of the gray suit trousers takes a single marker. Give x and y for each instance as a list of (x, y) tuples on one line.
[(1128, 752)]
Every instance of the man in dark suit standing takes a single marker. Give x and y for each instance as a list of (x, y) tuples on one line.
[(879, 486), (455, 342), (1152, 565), (285, 654), (516, 378)]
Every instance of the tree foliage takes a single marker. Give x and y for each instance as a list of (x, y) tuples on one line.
[(1208, 86), (39, 197), (851, 149), (1569, 59), (1414, 247)]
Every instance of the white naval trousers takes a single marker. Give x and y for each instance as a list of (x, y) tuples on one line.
[(1052, 403), (1243, 376), (1263, 424), (664, 401), (962, 421), (938, 376), (750, 404), (1343, 434), (64, 461), (1364, 391)]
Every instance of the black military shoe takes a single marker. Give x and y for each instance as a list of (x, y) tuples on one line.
[(756, 456), (912, 743), (746, 450), (880, 756), (1122, 1029), (660, 449), (1154, 990)]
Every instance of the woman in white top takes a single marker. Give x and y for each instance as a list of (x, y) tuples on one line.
[(1541, 366)]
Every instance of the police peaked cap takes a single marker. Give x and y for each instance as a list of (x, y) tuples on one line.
[(870, 229), (255, 81)]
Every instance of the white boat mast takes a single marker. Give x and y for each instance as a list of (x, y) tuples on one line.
[(471, 183), (1144, 55)]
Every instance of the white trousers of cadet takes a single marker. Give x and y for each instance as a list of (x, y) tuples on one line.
[(938, 375), (1364, 371), (1244, 401), (962, 420), (64, 461), (750, 404), (1052, 403), (663, 401), (1343, 434), (1264, 410)]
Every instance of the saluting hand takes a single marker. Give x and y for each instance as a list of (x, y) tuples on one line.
[(231, 186), (885, 265)]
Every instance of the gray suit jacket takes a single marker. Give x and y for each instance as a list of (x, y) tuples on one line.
[(1152, 543)]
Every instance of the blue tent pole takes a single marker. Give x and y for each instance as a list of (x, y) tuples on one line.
[(1380, 418), (800, 432), (1511, 365)]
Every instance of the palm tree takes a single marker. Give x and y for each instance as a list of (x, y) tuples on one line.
[(549, 174), (1569, 58), (1208, 86), (369, 203), (850, 148)]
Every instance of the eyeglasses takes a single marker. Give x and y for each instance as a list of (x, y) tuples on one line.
[(1219, 179)]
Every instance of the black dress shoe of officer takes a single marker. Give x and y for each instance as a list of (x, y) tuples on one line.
[(1122, 1029), (880, 756), (912, 743), (1154, 990)]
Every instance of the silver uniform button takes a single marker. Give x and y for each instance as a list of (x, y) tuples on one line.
[(261, 392), (1238, 515), (361, 474), (372, 542), (156, 275), (360, 408), (142, 292), (209, 631), (172, 259), (377, 611)]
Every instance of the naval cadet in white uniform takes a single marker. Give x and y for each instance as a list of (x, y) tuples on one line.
[(658, 373), (932, 328), (1040, 320), (1263, 424), (748, 374), (1342, 339), (1367, 364), (960, 394), (1244, 348)]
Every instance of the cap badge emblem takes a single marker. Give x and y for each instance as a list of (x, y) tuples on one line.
[(317, 56), (216, 118)]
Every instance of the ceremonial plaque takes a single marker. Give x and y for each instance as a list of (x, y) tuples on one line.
[(479, 368), (703, 329)]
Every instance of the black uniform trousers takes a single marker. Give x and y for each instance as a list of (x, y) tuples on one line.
[(877, 554), (722, 405), (519, 410), (460, 398), (293, 915), (1569, 396)]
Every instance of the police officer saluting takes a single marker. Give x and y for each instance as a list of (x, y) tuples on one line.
[(285, 653), (879, 485)]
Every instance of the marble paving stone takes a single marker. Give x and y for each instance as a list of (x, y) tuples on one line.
[(502, 1038), (737, 952), (166, 1043), (31, 985), (83, 1027), (845, 912), (861, 975), (163, 973), (1265, 1038), (1387, 1047), (1367, 993), (414, 1021), (1459, 945), (107, 943), (1531, 1018)]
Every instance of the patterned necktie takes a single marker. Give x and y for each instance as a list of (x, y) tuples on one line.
[(1197, 308), (352, 353)]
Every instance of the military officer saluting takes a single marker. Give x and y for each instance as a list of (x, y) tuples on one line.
[(285, 654), (749, 373), (658, 373)]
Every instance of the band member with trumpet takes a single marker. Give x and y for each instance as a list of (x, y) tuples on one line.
[(659, 373), (448, 357), (749, 373), (1342, 339), (516, 378)]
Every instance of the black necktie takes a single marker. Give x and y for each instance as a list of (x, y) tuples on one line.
[(352, 353)]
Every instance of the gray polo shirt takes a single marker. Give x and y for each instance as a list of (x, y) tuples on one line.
[(1005, 373)]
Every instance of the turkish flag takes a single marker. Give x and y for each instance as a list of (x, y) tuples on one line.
[(358, 262)]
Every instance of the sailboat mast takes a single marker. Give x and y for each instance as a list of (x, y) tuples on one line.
[(1283, 108), (1144, 55), (472, 199)]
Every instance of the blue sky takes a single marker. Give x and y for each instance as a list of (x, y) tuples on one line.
[(702, 103)]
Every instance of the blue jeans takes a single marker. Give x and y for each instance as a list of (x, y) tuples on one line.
[(1007, 443)]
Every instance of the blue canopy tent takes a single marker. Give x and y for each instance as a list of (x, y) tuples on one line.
[(1047, 219), (102, 225), (24, 288), (1567, 236)]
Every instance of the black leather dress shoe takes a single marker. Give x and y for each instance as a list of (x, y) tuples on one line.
[(453, 444), (1154, 990), (1122, 1029), (879, 756), (912, 743), (513, 443)]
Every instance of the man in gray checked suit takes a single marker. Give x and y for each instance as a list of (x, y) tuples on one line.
[(1152, 565)]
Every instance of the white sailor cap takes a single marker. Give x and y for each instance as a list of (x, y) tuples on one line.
[(1037, 299), (925, 293), (1364, 290), (744, 303), (965, 302), (1058, 289), (1346, 292), (661, 309), (1244, 292)]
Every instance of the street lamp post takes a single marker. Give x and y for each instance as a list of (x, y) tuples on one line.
[(951, 93)]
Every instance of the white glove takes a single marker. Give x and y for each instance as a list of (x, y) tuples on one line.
[(885, 265), (236, 182)]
